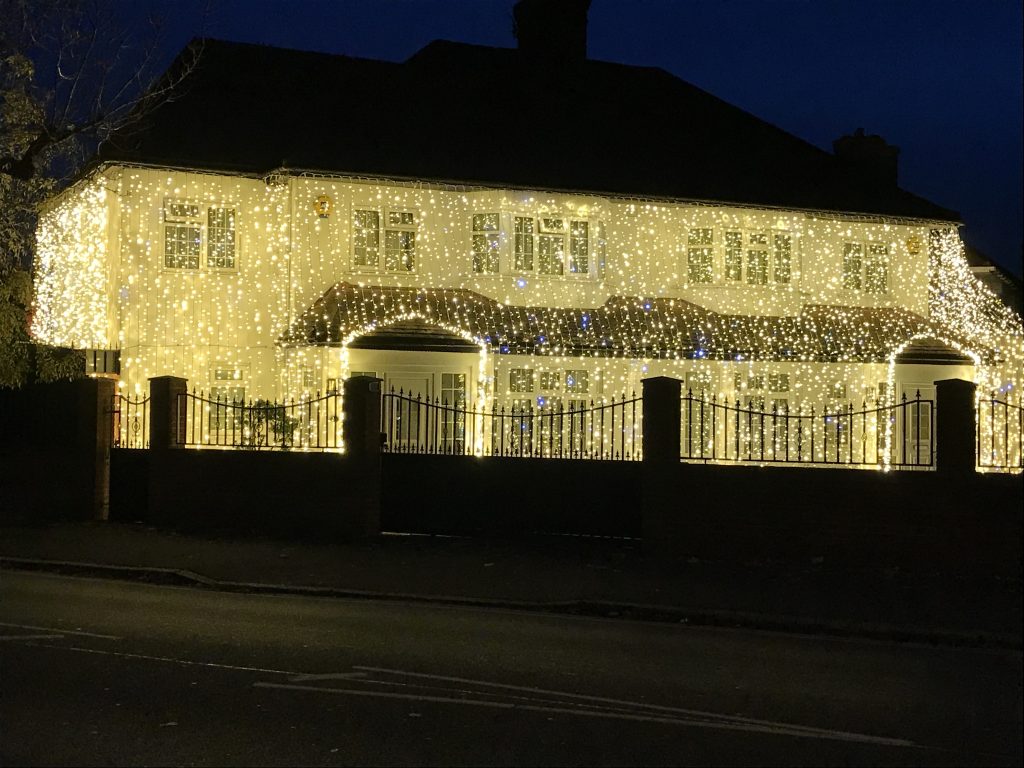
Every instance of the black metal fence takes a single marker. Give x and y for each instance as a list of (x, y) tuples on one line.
[(724, 431), (312, 424), (1000, 430), (130, 421), (582, 430)]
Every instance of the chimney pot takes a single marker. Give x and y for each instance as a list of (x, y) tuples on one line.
[(554, 30), (869, 158)]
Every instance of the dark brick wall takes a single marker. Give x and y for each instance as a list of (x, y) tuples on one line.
[(914, 520), (55, 446), (313, 496), (506, 496)]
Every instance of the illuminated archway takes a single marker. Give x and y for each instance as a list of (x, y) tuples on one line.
[(396, 320)]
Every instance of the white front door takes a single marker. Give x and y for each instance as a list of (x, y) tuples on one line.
[(914, 423)]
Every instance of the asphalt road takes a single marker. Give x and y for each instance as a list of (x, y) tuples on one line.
[(103, 672)]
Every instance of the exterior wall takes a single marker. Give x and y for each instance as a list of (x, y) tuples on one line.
[(102, 280)]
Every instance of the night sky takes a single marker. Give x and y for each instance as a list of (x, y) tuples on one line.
[(941, 79)]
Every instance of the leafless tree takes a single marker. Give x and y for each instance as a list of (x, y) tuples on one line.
[(72, 74)]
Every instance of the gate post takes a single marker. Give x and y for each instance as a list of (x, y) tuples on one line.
[(167, 411), (955, 426), (661, 425), (361, 433)]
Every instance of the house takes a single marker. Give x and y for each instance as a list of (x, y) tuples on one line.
[(523, 227)]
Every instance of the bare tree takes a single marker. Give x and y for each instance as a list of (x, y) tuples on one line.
[(73, 74)]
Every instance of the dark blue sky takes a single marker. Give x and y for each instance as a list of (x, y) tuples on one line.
[(941, 79)]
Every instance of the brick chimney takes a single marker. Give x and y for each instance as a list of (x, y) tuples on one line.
[(552, 30), (869, 158)]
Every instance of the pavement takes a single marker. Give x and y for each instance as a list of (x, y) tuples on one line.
[(555, 574)]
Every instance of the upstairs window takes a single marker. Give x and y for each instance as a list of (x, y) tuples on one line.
[(183, 234), (757, 258), (876, 269), (220, 238), (782, 243), (579, 247), (399, 239), (734, 256), (400, 242), (486, 242), (700, 255), (551, 246), (365, 238), (866, 267), (523, 243)]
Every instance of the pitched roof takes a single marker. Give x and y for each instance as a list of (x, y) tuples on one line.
[(491, 116), (624, 326)]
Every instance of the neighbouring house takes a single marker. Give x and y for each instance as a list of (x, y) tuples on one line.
[(520, 227)]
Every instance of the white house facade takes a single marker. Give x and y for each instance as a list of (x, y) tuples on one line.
[(281, 283)]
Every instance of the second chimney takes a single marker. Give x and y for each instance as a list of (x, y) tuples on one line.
[(552, 29), (869, 158)]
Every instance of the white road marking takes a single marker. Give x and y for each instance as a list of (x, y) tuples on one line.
[(330, 676), (31, 637), (168, 659), (617, 702), (693, 718), (62, 631), (752, 726)]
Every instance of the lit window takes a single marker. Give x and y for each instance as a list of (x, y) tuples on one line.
[(734, 256), (783, 243), (778, 382), (579, 247), (853, 257), (757, 259), (486, 242), (577, 381), (520, 380), (866, 267), (700, 255), (550, 381), (220, 238), (876, 269), (400, 242), (551, 246), (183, 235), (523, 243), (365, 238), (698, 382)]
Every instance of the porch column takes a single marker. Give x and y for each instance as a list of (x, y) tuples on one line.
[(167, 412), (955, 426)]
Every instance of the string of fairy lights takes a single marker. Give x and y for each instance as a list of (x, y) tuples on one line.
[(197, 274)]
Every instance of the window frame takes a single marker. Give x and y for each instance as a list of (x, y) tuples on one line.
[(384, 226), (201, 222), (730, 257), (868, 259)]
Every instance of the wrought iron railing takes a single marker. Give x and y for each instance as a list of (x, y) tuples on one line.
[(1000, 434), (310, 424), (584, 430), (725, 431), (130, 421)]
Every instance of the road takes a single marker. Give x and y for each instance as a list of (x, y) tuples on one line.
[(117, 673)]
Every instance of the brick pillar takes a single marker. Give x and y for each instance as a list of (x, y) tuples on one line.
[(361, 416), (94, 437), (955, 426), (361, 428), (167, 412), (662, 413), (661, 473)]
